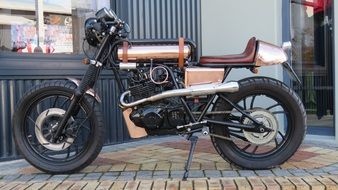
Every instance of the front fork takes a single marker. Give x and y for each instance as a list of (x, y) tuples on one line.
[(87, 82)]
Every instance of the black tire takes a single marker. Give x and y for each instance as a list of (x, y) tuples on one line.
[(295, 132), (47, 163)]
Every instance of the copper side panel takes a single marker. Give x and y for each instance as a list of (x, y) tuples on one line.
[(197, 76), (134, 131)]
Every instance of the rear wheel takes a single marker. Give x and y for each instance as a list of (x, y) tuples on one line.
[(275, 105), (36, 119)]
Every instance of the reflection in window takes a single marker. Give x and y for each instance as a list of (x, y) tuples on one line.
[(48, 26), (312, 57)]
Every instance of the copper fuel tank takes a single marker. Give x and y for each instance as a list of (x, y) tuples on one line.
[(145, 53)]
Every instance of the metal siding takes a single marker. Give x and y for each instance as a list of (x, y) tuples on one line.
[(162, 19)]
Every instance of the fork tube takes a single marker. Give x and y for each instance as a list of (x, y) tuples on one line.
[(87, 82)]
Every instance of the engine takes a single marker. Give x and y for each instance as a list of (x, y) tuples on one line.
[(164, 114)]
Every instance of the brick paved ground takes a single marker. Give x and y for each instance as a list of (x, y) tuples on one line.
[(159, 163)]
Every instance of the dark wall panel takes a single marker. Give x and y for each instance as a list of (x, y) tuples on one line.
[(162, 19)]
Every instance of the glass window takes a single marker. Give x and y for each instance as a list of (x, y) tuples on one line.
[(312, 35), (48, 26)]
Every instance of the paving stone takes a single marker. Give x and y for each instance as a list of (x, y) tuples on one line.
[(144, 175), (329, 184), (163, 166), (51, 185), (186, 185), (256, 183), (177, 166), (177, 174), (105, 185), (228, 184), (334, 172), (200, 184), (40, 178), (131, 185), (314, 184), (78, 185), (228, 173), (92, 176), (196, 174), (91, 185), (148, 166), (264, 173), (270, 183), (103, 168), (36, 186), (89, 169), (118, 167), (22, 186), (246, 173), (329, 168), (222, 166), (25, 178), (212, 173), (119, 185), (173, 185), (9, 178), (10, 186), (132, 167), (299, 183), (161, 174), (76, 177), (57, 178), (214, 184), (129, 173), (281, 172), (64, 185), (285, 183), (159, 185), (145, 185), (296, 171), (242, 183), (124, 178)]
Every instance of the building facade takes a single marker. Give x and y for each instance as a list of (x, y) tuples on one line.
[(43, 40)]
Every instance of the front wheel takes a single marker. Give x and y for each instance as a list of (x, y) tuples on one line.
[(276, 106), (36, 120)]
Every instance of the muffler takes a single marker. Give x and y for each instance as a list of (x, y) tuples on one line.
[(196, 90)]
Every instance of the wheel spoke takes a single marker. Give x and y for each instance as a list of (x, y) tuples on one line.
[(35, 126), (273, 106), (55, 101), (244, 104), (252, 102), (279, 112), (281, 134), (246, 147), (254, 150), (64, 103)]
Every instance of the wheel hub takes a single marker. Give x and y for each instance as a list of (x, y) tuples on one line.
[(45, 126), (268, 120)]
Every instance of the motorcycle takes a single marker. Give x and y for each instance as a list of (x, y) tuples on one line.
[(254, 123)]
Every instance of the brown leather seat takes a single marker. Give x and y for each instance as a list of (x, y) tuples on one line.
[(247, 56)]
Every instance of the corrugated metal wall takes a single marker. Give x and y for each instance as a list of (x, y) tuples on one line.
[(149, 19), (13, 88), (162, 19)]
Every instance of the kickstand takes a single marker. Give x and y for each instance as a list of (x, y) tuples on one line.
[(193, 141)]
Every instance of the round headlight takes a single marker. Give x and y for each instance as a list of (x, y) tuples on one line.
[(90, 32)]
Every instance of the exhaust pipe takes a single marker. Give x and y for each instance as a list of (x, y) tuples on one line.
[(197, 90)]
